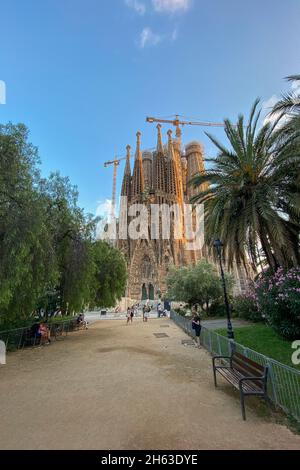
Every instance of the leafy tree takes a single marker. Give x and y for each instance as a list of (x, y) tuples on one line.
[(275, 298), (199, 284), (48, 254), (252, 198), (72, 234), (26, 251), (289, 102), (110, 274)]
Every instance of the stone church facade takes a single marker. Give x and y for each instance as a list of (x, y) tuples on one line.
[(161, 177)]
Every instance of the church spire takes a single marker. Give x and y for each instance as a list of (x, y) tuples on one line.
[(159, 148), (170, 146), (127, 174), (173, 178), (127, 166), (138, 153), (160, 166), (138, 175)]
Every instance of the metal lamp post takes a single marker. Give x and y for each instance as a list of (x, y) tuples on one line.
[(218, 245)]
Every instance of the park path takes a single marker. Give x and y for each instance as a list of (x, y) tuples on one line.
[(119, 387)]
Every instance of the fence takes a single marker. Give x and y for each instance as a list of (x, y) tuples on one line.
[(17, 338), (283, 381)]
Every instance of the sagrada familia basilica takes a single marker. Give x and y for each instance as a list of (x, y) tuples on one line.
[(161, 177)]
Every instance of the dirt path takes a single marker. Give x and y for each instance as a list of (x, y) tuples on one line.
[(119, 387)]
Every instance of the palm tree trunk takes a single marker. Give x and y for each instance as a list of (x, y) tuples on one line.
[(272, 262)]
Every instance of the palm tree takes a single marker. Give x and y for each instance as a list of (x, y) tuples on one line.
[(289, 102), (252, 202)]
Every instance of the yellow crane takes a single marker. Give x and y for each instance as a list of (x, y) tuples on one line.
[(178, 122), (175, 122), (115, 163)]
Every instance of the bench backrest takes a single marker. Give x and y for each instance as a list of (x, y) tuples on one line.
[(247, 366)]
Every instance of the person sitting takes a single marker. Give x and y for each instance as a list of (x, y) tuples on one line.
[(44, 333), (81, 322)]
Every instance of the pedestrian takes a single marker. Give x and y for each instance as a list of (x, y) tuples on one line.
[(160, 310), (147, 314), (131, 313), (128, 315), (196, 325), (144, 310)]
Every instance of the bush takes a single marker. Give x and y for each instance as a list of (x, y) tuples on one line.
[(180, 311), (278, 298), (217, 310), (245, 307)]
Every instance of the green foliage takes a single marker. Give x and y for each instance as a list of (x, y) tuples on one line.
[(110, 274), (26, 252), (277, 297), (253, 197), (265, 340), (289, 102), (245, 307), (182, 312), (49, 258), (199, 284)]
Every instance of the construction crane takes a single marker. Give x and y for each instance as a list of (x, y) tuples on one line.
[(115, 163), (177, 123)]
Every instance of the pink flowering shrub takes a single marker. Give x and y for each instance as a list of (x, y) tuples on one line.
[(276, 298)]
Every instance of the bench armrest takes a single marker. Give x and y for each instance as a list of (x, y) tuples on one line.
[(263, 378), (220, 357)]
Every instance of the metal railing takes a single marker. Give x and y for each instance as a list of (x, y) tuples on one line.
[(19, 338), (283, 381)]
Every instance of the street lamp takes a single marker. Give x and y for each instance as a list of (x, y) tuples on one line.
[(218, 245)]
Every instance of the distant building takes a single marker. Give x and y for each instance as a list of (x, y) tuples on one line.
[(161, 177)]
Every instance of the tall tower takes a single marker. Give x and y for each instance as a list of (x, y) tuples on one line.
[(195, 164), (137, 187), (126, 185), (175, 198), (173, 176), (159, 170), (147, 167)]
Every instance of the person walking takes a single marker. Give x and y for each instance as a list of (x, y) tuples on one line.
[(128, 315), (147, 314), (196, 325), (131, 314)]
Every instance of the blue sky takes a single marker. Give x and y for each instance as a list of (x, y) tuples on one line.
[(84, 74)]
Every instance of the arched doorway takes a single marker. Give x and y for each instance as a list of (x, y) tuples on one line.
[(144, 292), (151, 292)]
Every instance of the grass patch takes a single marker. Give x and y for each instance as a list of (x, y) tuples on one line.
[(263, 339)]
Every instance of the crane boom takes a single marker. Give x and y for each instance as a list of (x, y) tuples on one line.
[(175, 122)]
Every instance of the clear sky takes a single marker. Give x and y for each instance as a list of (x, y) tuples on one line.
[(84, 74)]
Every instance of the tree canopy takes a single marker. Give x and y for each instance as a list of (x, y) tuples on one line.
[(197, 284), (252, 202), (49, 257)]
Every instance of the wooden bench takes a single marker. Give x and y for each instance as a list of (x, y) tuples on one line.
[(247, 376)]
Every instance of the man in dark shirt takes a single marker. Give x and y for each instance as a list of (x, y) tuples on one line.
[(196, 325)]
